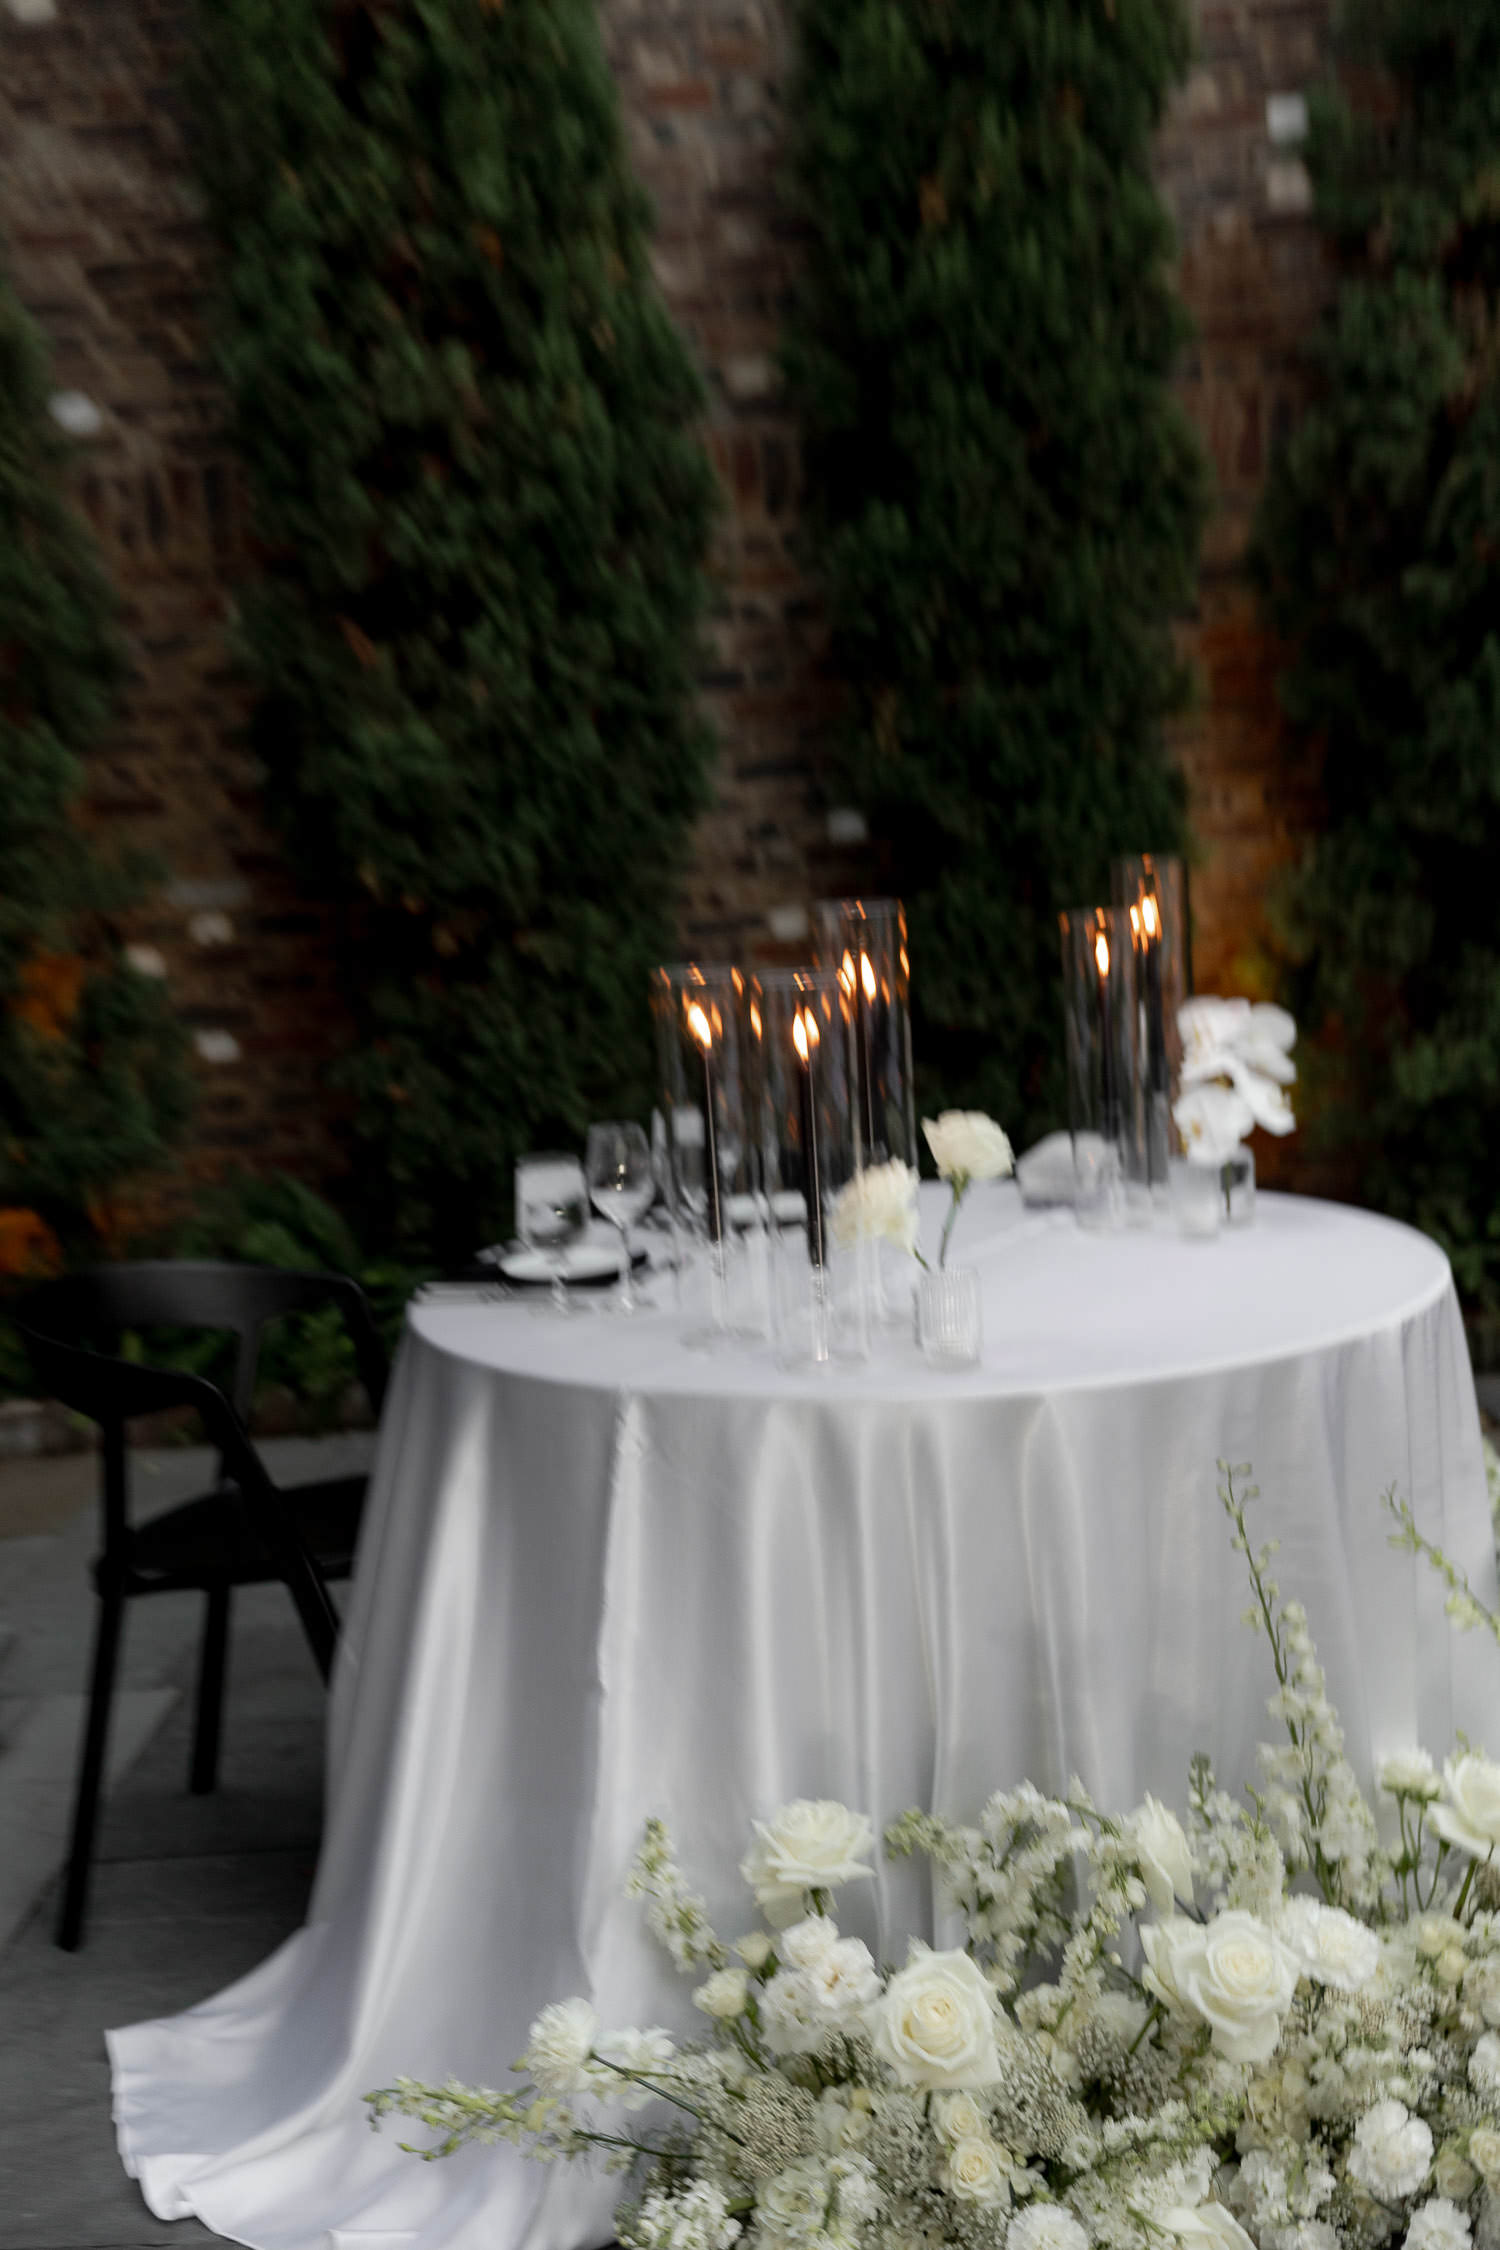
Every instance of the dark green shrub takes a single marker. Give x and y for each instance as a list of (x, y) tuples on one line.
[(1005, 497), (1379, 551), (93, 1081), (483, 513)]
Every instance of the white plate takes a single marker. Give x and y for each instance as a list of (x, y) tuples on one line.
[(584, 1261)]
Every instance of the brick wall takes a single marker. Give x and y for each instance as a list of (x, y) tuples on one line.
[(111, 257)]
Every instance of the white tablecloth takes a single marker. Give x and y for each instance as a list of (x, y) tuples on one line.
[(603, 1576)]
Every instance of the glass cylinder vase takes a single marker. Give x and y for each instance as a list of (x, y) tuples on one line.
[(1106, 1107), (949, 1318), (1152, 887), (808, 1154), (863, 940), (708, 1109)]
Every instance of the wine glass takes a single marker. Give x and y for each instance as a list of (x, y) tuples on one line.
[(552, 1210), (622, 1183)]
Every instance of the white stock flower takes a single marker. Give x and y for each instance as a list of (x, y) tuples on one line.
[(1213, 1120), (1484, 2064), (966, 1145), (1045, 2226), (1328, 1945), (934, 2025), (1438, 2224), (1391, 2151), (1231, 1972), (811, 1844), (1207, 2227), (1410, 1773), (877, 1205), (975, 2172), (1470, 1816), (724, 1995), (1157, 1838), (559, 2045)]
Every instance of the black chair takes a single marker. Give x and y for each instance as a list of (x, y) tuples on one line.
[(244, 1531)]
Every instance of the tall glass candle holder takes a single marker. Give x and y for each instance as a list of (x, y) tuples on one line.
[(808, 1153), (1153, 890), (712, 1153), (863, 940), (1105, 1106)]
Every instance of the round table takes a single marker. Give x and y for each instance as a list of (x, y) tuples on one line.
[(604, 1576)]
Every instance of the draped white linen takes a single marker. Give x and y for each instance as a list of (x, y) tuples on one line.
[(603, 1577)]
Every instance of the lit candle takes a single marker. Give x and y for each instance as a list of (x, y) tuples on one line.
[(702, 1031), (1106, 1026), (1156, 1030), (805, 1040)]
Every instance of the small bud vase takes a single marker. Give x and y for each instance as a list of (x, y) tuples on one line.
[(949, 1327)]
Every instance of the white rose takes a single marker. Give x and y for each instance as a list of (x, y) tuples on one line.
[(811, 1844), (1232, 1973), (973, 2171), (754, 1949), (934, 2026), (1471, 1817), (958, 2117), (559, 2046), (1045, 2226), (1391, 2151), (1484, 2153), (1328, 1945), (1438, 2225), (725, 1995), (1484, 2064), (1213, 1120), (877, 1205), (1166, 1857), (966, 1145), (1209, 2227), (1453, 2176), (807, 1941), (1410, 1773)]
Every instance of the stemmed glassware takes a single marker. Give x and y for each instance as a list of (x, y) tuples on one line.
[(622, 1183), (552, 1211)]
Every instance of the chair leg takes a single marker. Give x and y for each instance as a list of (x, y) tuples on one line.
[(90, 1770), (212, 1656)]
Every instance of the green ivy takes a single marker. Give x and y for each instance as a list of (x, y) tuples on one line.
[(1005, 498), (1379, 553), (483, 513), (93, 1077)]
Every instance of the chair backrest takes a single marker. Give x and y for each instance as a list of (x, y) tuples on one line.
[(64, 1323)]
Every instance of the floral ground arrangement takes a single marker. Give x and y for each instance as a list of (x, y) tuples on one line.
[(1258, 2024)]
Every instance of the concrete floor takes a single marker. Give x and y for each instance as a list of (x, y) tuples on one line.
[(188, 1893)]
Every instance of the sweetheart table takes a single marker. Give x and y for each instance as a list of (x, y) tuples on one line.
[(603, 1576)]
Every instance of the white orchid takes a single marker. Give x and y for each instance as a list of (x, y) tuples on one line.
[(1236, 1065)]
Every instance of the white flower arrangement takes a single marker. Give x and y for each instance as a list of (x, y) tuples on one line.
[(1308, 2058), (966, 1146), (1236, 1066)]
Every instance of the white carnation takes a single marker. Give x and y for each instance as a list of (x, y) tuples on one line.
[(1438, 2225), (724, 1995), (1391, 2152), (559, 2046), (1045, 2226), (1484, 2064), (806, 1942), (877, 1205), (1328, 1945), (642, 2053), (966, 1145), (791, 2205)]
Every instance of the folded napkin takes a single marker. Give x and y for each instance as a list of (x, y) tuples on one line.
[(1046, 1174)]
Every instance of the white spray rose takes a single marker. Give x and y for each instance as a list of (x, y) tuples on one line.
[(1231, 1972), (559, 2046), (1484, 2153), (1208, 2227), (1438, 2225), (1470, 1816), (877, 1205), (1328, 1945), (1454, 2176), (754, 1949), (934, 2026), (966, 1145), (725, 1994), (975, 2172), (958, 2117), (812, 1844), (1391, 2151), (1045, 2226), (1166, 1857)]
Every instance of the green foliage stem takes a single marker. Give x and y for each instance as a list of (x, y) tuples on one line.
[(483, 512), (1005, 498)]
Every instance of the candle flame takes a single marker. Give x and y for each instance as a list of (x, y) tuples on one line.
[(804, 1032), (1150, 916), (699, 1027), (867, 976), (1101, 953), (1135, 921), (755, 1019), (846, 975)]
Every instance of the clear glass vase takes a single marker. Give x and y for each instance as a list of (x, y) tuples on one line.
[(950, 1325)]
